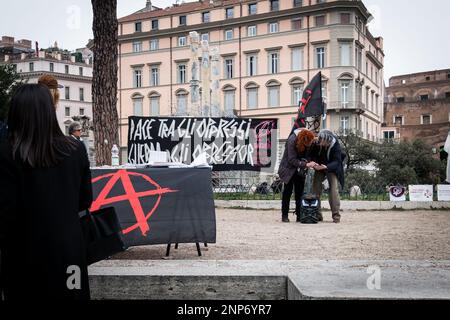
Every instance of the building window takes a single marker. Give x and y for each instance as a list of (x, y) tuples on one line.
[(182, 78), (297, 59), (345, 18), (273, 27), (274, 5), (427, 78), (297, 94), (389, 135), (320, 57), (274, 96), (154, 44), (81, 94), (229, 103), (137, 46), (324, 91), (344, 125), (154, 76), (296, 24), (81, 111), (251, 31), (321, 1), (252, 98), (155, 24), (376, 104), (345, 54), (205, 17), (426, 119), (67, 93), (80, 70), (398, 120), (31, 65), (66, 69), (252, 8), (252, 63), (345, 93), (52, 67), (320, 21), (400, 99), (138, 27), (373, 104), (273, 89), (137, 78), (229, 13), (181, 104), (182, 20), (204, 37), (358, 52), (154, 106), (67, 111), (273, 62), (424, 97), (229, 34), (182, 41), (298, 3), (137, 107), (228, 68), (447, 95)]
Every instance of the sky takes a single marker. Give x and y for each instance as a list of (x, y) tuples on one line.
[(415, 32)]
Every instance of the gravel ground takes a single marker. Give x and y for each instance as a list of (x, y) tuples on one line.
[(260, 235)]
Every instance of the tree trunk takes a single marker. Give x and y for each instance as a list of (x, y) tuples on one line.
[(104, 80)]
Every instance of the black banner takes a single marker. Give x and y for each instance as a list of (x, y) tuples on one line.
[(160, 205), (229, 143)]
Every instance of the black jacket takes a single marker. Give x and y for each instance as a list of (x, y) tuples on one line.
[(291, 160), (333, 159), (40, 232)]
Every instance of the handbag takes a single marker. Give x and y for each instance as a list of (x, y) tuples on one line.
[(102, 234)]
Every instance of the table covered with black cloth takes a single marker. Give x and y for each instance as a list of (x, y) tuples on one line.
[(158, 205)]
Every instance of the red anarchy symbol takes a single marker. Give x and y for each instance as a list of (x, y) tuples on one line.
[(130, 195)]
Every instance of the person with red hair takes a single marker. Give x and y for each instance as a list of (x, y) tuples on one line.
[(292, 169)]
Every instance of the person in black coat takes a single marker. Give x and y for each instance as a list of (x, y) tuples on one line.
[(326, 151), (291, 169), (45, 182)]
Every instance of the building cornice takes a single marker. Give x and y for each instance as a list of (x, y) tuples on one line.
[(297, 45), (236, 22), (62, 76), (79, 64), (374, 59)]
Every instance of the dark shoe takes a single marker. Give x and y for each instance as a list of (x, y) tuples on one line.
[(319, 217), (285, 219), (337, 220)]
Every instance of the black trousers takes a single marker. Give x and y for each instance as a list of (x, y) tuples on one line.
[(297, 183)]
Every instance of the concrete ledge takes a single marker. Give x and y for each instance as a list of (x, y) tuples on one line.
[(268, 280), (345, 205)]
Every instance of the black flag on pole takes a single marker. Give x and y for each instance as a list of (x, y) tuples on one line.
[(311, 104)]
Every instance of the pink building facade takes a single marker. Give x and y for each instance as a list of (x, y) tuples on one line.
[(269, 50)]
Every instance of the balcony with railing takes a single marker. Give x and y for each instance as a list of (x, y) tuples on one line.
[(356, 106)]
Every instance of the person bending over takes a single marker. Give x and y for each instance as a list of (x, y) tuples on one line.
[(292, 168), (326, 151)]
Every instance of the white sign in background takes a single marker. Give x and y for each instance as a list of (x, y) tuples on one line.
[(421, 193), (443, 192)]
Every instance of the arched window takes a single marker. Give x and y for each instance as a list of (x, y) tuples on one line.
[(229, 100), (154, 103), (182, 101), (273, 93), (138, 100), (252, 95), (297, 84)]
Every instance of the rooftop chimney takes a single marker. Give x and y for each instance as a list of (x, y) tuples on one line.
[(148, 5)]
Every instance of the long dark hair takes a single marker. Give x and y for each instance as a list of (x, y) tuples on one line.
[(33, 129)]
